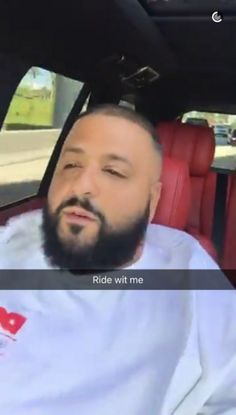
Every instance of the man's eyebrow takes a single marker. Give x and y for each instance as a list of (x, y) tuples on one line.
[(110, 156), (116, 157), (77, 150)]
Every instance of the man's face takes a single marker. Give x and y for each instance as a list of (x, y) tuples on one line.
[(103, 194)]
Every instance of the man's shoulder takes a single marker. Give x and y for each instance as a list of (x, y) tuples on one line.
[(169, 234), (180, 244), (19, 236), (171, 238), (17, 224), (216, 315)]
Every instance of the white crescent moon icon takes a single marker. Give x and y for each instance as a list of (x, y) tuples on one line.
[(216, 17)]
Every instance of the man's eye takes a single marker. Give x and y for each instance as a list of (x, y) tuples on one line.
[(115, 173), (71, 166)]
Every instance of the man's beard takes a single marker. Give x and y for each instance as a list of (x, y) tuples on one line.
[(111, 248)]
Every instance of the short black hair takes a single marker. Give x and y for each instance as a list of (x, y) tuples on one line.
[(128, 114)]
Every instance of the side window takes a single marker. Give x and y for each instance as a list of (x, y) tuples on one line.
[(31, 128), (224, 127)]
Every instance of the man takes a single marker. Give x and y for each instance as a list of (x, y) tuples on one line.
[(101, 201), (120, 351)]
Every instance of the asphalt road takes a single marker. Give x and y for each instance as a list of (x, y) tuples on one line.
[(24, 156), (225, 157)]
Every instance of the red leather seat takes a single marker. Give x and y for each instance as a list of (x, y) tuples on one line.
[(176, 188), (229, 250), (196, 146), (171, 211)]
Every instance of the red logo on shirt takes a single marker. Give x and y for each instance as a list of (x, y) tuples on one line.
[(11, 322)]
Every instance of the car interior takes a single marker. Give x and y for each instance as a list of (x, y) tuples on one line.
[(163, 57)]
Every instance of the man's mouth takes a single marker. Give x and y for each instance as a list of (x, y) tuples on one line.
[(79, 216)]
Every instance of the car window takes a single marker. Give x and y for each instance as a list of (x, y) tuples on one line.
[(31, 128), (223, 126), (197, 121)]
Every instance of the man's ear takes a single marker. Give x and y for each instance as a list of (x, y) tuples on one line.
[(154, 198)]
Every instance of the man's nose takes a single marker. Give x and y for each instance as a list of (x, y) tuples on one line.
[(86, 182)]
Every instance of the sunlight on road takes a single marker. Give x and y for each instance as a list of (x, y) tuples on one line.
[(225, 157), (25, 154)]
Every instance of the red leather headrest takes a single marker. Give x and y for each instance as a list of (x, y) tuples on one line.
[(174, 204), (193, 143)]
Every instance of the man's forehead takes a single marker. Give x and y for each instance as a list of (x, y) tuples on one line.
[(109, 128)]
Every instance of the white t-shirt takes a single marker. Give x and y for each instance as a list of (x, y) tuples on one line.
[(118, 352), (115, 352)]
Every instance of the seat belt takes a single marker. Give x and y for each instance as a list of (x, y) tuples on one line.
[(220, 211)]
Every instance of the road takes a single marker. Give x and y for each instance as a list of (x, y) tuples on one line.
[(225, 157), (24, 156)]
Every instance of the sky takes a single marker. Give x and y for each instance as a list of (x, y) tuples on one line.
[(42, 79)]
